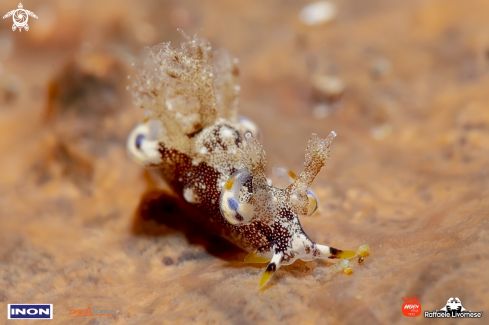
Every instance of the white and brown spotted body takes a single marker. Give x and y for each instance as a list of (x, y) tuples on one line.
[(194, 140)]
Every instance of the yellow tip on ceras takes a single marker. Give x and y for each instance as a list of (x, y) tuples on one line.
[(346, 254), (292, 175), (271, 268), (255, 258), (266, 276), (229, 184)]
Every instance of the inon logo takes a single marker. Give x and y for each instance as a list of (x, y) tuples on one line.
[(411, 308), (31, 311)]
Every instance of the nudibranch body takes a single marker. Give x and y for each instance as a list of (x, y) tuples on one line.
[(194, 140)]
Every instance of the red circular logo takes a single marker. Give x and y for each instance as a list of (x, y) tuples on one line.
[(411, 308)]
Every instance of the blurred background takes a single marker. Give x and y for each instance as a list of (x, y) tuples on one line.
[(404, 84)]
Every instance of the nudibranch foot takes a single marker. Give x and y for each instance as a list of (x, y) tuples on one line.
[(316, 251)]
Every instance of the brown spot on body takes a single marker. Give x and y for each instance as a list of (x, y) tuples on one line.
[(199, 129), (179, 166), (272, 267), (334, 252)]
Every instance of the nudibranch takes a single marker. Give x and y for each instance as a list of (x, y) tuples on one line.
[(194, 140)]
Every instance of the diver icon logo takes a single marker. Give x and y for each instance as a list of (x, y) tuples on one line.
[(454, 305), (453, 309), (20, 17)]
